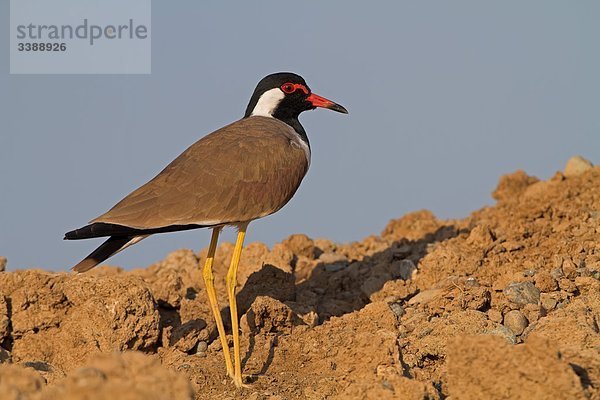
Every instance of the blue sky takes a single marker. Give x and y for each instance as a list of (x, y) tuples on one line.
[(444, 97)]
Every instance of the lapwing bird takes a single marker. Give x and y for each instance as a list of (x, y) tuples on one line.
[(241, 172)]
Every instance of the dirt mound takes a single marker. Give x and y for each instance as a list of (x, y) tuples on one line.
[(484, 367), (503, 304), (128, 375)]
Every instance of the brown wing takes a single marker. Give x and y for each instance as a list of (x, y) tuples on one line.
[(244, 171)]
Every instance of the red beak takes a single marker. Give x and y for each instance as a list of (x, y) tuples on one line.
[(318, 101)]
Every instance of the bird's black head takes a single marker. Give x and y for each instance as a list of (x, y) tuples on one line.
[(284, 96)]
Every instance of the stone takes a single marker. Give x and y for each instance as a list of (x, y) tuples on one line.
[(5, 356), (397, 309), (403, 269), (3, 262), (202, 347), (521, 293), (505, 333), (515, 321), (576, 166), (471, 283), (494, 315), (548, 302)]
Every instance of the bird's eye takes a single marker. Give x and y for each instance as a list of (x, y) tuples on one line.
[(288, 88)]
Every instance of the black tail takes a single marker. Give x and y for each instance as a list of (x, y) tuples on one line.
[(99, 229), (120, 237), (112, 246)]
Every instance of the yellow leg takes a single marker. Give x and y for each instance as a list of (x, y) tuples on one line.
[(231, 283), (209, 280)]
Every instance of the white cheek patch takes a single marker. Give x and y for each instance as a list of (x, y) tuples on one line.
[(268, 102)]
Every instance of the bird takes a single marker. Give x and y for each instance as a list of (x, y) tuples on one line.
[(239, 173)]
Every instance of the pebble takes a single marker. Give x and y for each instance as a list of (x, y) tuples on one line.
[(402, 269), (494, 315), (576, 166), (515, 321), (5, 356), (545, 282), (505, 333), (521, 293), (397, 309), (548, 302), (202, 346), (471, 283)]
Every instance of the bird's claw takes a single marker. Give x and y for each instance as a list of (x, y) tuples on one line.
[(239, 383)]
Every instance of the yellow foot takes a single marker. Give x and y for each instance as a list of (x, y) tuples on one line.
[(239, 384), (239, 381)]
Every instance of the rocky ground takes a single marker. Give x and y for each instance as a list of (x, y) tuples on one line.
[(504, 304)]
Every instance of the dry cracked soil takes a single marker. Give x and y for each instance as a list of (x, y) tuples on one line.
[(504, 304)]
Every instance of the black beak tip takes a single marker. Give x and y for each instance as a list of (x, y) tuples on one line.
[(338, 108)]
